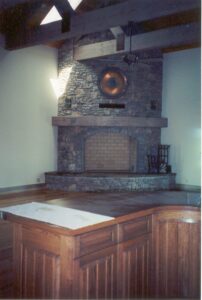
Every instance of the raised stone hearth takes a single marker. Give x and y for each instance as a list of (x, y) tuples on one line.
[(109, 181)]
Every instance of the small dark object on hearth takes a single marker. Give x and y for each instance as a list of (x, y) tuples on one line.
[(159, 163), (168, 169)]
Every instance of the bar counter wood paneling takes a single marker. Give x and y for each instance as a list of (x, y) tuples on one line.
[(154, 252), (6, 268)]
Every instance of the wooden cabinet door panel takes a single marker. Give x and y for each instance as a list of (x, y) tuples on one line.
[(6, 273), (134, 268), (189, 260), (40, 273), (37, 264), (96, 275), (176, 256)]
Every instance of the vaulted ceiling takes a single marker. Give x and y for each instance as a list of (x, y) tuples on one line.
[(167, 24)]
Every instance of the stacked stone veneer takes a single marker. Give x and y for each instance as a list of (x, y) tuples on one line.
[(109, 182), (80, 96)]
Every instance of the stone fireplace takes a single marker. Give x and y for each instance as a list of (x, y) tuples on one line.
[(105, 147)]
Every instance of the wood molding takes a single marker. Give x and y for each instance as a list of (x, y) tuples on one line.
[(188, 188), (22, 188), (169, 37), (109, 121), (103, 19)]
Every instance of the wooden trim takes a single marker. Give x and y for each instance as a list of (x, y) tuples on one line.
[(109, 121), (22, 188), (164, 38), (188, 188)]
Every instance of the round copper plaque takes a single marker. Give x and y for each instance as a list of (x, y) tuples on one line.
[(112, 82)]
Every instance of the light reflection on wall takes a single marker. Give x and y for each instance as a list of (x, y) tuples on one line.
[(59, 84)]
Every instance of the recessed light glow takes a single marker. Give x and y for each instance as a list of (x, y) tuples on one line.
[(52, 16), (74, 3)]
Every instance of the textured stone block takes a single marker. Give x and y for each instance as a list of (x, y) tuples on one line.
[(109, 182)]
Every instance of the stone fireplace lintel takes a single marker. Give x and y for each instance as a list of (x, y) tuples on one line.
[(104, 121)]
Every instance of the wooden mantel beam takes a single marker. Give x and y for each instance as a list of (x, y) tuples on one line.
[(106, 121), (169, 37), (105, 18)]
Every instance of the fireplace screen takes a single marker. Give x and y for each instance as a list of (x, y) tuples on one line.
[(108, 152)]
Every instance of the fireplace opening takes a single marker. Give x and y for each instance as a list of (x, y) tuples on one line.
[(110, 151)]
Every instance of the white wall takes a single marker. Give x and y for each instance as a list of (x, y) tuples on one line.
[(27, 103), (181, 105)]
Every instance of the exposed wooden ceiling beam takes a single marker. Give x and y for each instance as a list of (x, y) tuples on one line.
[(120, 37), (132, 10), (65, 10), (106, 18), (116, 31), (4, 4), (164, 38)]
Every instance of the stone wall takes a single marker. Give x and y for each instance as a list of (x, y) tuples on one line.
[(81, 95)]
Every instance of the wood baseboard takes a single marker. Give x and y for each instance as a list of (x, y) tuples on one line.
[(22, 188), (188, 188)]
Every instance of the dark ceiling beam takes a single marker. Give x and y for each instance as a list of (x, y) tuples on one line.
[(4, 4), (62, 6), (132, 10), (65, 10), (116, 31), (36, 14), (106, 18), (164, 38), (119, 34)]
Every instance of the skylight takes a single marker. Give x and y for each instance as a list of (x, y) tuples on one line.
[(74, 3), (52, 16)]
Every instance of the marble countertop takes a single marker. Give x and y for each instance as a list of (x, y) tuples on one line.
[(56, 215)]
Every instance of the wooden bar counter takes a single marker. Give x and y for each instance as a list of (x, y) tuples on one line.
[(144, 249)]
